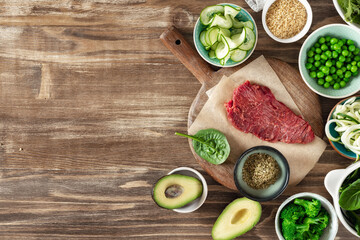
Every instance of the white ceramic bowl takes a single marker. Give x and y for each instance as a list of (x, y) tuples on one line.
[(192, 206), (329, 232), (298, 36), (333, 30), (341, 13), (333, 182)]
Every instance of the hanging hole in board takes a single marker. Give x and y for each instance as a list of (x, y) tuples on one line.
[(178, 42)]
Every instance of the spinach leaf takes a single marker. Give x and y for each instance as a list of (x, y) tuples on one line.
[(350, 179), (354, 219), (210, 144), (350, 197)]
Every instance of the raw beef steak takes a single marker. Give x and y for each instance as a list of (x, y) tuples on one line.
[(255, 110)]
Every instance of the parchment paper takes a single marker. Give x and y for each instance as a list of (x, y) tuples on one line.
[(301, 157)]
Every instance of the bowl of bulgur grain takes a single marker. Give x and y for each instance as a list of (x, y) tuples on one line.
[(287, 21)]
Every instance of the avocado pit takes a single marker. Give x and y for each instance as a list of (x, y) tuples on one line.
[(240, 216), (174, 191)]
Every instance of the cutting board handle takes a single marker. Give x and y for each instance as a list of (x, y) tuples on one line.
[(177, 44)]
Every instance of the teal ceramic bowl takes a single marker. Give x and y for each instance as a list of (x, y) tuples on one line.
[(334, 30), (199, 27), (338, 147)]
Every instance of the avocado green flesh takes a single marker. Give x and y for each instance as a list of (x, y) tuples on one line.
[(237, 218), (184, 189)]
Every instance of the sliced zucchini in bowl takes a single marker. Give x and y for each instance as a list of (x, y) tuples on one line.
[(221, 21), (239, 38), (222, 49), (212, 54), (212, 35), (236, 23), (226, 36), (249, 40), (225, 32), (207, 13), (235, 40), (202, 39), (249, 24), (238, 55), (236, 31), (225, 59), (231, 11), (213, 47)]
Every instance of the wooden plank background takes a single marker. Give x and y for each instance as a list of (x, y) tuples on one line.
[(90, 101)]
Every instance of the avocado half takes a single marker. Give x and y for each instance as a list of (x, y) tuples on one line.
[(175, 191), (237, 218)]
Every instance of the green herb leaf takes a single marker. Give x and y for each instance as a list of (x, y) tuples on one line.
[(351, 9), (354, 219), (350, 197), (210, 144), (350, 179)]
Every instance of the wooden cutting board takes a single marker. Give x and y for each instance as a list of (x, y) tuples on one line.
[(306, 100)]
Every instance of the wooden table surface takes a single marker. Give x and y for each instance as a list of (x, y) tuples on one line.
[(90, 101)]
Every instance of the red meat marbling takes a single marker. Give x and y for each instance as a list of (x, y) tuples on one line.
[(254, 109)]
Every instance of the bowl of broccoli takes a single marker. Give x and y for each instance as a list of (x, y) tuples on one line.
[(306, 216)]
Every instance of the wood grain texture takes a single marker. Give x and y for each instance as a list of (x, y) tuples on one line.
[(90, 99), (176, 43)]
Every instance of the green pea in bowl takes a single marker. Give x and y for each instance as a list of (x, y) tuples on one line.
[(242, 16), (341, 83)]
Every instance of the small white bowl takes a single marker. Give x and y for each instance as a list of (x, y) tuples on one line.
[(298, 36), (333, 182), (341, 13), (192, 206), (329, 232)]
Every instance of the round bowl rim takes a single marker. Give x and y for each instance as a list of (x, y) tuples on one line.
[(303, 52), (238, 63), (203, 195), (340, 12), (298, 36), (332, 212), (329, 117), (287, 172), (345, 172)]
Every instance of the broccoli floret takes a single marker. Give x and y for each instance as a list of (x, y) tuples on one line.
[(292, 212), (292, 231), (319, 222), (312, 208), (304, 220), (312, 236)]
